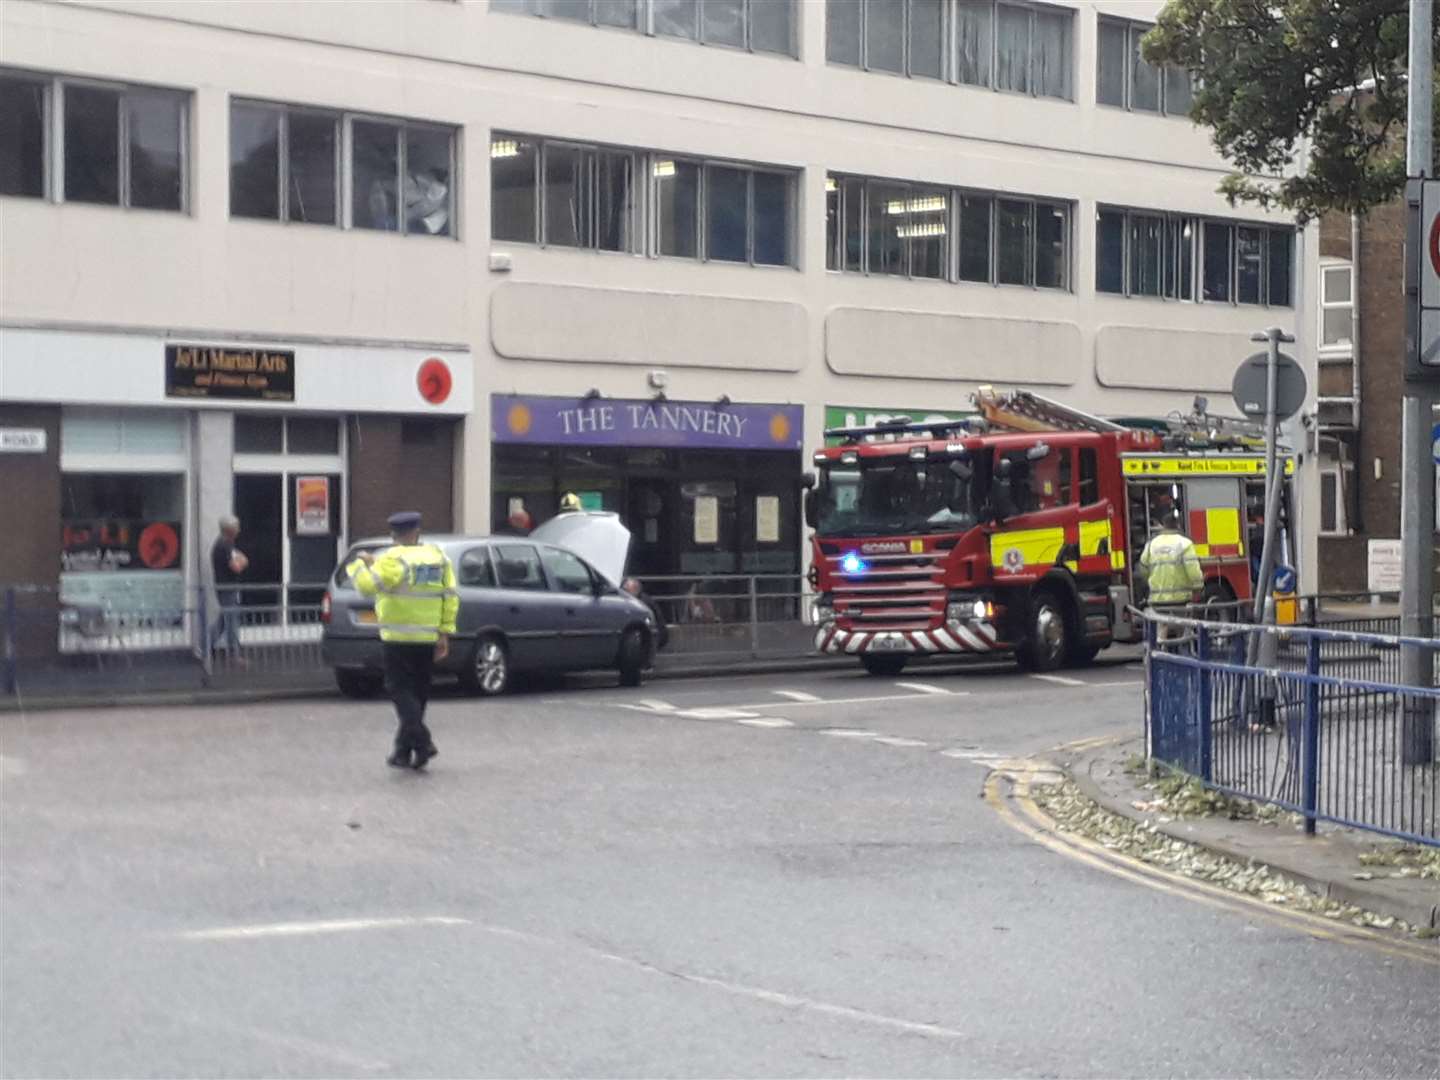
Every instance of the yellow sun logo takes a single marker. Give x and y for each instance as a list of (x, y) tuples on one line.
[(518, 419)]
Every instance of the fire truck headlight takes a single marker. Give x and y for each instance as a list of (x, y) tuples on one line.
[(983, 609), (959, 611)]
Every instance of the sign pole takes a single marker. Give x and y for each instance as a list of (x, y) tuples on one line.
[(1417, 507), (1274, 336)]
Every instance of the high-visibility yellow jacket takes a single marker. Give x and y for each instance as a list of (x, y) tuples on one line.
[(1172, 568), (414, 590)]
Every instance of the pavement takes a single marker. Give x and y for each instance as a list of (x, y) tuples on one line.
[(1327, 863), (790, 874)]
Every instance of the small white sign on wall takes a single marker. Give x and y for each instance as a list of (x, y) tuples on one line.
[(15, 440), (1382, 570)]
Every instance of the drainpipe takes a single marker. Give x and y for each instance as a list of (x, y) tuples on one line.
[(1358, 524)]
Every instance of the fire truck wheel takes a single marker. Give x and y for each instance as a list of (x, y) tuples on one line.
[(883, 665), (1047, 636)]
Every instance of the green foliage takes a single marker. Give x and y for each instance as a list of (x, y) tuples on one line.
[(1283, 78)]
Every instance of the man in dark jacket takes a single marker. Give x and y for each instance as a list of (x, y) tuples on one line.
[(227, 564)]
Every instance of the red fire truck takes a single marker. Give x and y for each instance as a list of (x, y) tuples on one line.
[(1018, 530)]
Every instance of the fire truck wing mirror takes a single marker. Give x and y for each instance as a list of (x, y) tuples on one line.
[(1037, 452), (807, 481), (812, 507), (962, 469)]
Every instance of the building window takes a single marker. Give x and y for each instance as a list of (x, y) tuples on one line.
[(122, 145), (568, 195), (1021, 48), (1150, 253), (1337, 307), (285, 165), (1336, 481), (1125, 80), (756, 25), (904, 229)]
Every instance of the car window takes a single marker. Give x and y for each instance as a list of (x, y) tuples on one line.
[(567, 572), (474, 569), (342, 575), (518, 567)]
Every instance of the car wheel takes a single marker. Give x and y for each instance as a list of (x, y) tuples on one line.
[(358, 684), (488, 672), (1047, 637), (884, 665), (634, 656)]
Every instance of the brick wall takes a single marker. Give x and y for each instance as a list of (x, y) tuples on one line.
[(30, 498), (401, 464)]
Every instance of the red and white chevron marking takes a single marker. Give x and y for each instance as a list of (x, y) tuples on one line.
[(972, 637)]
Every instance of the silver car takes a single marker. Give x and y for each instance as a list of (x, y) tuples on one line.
[(525, 606)]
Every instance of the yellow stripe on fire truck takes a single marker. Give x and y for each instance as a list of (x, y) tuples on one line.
[(1013, 552)]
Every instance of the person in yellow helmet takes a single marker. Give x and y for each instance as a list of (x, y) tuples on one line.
[(415, 604), (570, 503), (1171, 568)]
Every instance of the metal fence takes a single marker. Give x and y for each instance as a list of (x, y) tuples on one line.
[(57, 645), (1310, 719)]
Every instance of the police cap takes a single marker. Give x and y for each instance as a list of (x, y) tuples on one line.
[(404, 520)]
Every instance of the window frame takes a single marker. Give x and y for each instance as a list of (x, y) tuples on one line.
[(283, 111), (949, 53), (53, 148), (645, 25), (1344, 480), (1134, 30), (1328, 266), (836, 248)]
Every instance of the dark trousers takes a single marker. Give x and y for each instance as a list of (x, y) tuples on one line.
[(408, 667)]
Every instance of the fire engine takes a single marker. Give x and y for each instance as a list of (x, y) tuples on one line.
[(1018, 530)]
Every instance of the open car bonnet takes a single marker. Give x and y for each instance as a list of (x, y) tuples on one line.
[(596, 536)]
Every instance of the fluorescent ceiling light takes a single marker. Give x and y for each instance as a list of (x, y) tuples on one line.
[(503, 148), (923, 228), (664, 168), (830, 184), (927, 204)]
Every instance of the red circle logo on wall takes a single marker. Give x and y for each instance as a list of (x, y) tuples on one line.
[(434, 380), (159, 545)]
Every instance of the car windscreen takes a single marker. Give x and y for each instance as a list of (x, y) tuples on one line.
[(342, 576)]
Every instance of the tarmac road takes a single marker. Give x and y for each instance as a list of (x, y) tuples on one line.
[(787, 875)]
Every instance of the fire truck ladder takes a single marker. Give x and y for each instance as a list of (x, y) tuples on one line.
[(1021, 410)]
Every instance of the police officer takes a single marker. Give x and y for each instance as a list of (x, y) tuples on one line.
[(1171, 566), (415, 605)]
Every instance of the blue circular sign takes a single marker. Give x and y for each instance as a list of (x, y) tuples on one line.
[(1284, 579)]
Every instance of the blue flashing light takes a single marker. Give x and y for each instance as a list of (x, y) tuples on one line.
[(853, 564)]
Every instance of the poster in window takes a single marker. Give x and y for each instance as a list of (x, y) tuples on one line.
[(707, 519), (312, 506), (767, 519), (119, 544)]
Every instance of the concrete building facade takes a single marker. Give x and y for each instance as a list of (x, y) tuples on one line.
[(644, 250)]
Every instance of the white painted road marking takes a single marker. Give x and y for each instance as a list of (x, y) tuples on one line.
[(871, 700), (324, 926), (850, 733), (798, 695), (923, 688), (895, 740), (971, 755), (1061, 680), (655, 705), (765, 721)]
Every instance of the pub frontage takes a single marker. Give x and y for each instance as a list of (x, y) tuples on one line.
[(706, 488)]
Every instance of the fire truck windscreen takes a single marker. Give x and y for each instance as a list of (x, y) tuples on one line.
[(892, 496)]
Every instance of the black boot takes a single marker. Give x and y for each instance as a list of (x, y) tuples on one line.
[(423, 755), (400, 759)]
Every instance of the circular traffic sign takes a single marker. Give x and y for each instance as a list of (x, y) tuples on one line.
[(1250, 383), (434, 380)]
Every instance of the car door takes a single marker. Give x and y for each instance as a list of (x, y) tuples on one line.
[(531, 616), (480, 603), (586, 639)]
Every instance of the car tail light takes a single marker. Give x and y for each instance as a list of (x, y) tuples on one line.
[(325, 607)]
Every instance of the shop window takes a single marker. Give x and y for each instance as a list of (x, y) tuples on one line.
[(1126, 80), (121, 522), (518, 567), (312, 435), (474, 570), (757, 25), (109, 434), (259, 434)]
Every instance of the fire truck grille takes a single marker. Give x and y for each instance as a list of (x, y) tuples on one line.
[(893, 592)]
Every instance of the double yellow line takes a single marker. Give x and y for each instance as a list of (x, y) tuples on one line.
[(1034, 823)]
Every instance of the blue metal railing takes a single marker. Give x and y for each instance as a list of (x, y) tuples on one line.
[(1314, 726)]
